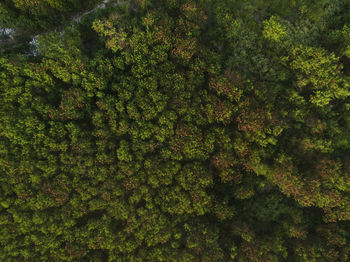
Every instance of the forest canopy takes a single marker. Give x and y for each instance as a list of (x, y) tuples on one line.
[(175, 130)]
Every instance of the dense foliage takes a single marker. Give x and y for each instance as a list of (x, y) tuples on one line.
[(178, 130), (38, 15)]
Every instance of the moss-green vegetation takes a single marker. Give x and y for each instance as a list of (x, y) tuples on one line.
[(178, 130), (31, 16)]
